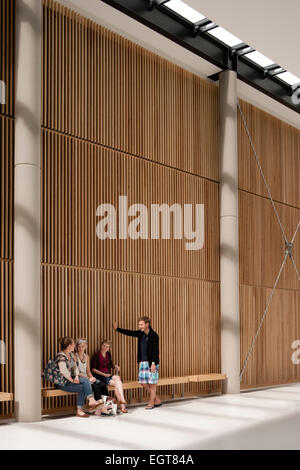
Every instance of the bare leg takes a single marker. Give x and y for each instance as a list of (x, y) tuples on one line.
[(117, 383), (152, 394), (156, 400)]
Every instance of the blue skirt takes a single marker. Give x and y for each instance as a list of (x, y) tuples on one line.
[(146, 376)]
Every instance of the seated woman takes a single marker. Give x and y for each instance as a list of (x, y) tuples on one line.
[(75, 384), (101, 367), (83, 364)]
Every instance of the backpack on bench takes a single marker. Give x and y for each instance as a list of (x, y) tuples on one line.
[(52, 374)]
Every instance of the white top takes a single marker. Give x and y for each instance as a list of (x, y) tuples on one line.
[(81, 365)]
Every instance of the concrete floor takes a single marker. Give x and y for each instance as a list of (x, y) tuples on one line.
[(265, 419)]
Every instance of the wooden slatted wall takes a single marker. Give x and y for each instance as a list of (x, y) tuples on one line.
[(7, 14), (262, 247), (119, 120)]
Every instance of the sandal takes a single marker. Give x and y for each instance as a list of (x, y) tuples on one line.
[(84, 415), (149, 407), (122, 409)]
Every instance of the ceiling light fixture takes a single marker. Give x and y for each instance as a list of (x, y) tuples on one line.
[(225, 36), (289, 78), (184, 10), (259, 59)]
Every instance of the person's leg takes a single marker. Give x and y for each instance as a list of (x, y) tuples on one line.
[(152, 379), (152, 390), (146, 387), (97, 389), (117, 383), (75, 388), (88, 391), (102, 387), (157, 401)]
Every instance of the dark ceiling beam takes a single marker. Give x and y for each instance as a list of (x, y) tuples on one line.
[(207, 48)]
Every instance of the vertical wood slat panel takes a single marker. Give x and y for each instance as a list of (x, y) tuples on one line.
[(72, 207), (7, 187), (7, 74), (117, 90), (186, 332), (262, 247), (125, 122), (7, 45), (278, 147), (271, 360), (6, 333)]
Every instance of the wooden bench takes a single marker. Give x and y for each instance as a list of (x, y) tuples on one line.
[(134, 385), (54, 392), (175, 381), (4, 396)]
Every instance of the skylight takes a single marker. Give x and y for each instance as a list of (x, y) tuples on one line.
[(184, 10), (259, 59), (289, 78), (225, 36)]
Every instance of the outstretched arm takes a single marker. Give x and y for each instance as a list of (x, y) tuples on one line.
[(135, 333)]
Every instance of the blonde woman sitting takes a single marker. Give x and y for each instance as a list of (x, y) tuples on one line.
[(83, 365)]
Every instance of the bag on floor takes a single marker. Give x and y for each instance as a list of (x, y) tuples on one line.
[(52, 374), (108, 401)]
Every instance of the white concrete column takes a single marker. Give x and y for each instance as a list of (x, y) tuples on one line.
[(27, 343), (229, 240)]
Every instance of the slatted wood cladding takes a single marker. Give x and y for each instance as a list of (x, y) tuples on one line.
[(7, 40), (119, 120), (262, 247)]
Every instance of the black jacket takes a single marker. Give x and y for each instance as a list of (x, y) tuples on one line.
[(152, 344)]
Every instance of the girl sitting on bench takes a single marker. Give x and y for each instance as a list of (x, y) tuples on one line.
[(101, 367), (75, 384), (83, 364)]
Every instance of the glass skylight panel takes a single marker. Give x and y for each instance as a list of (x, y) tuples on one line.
[(225, 36), (259, 59), (289, 78), (184, 10)]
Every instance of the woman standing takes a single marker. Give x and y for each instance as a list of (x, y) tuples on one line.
[(102, 365), (75, 384)]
